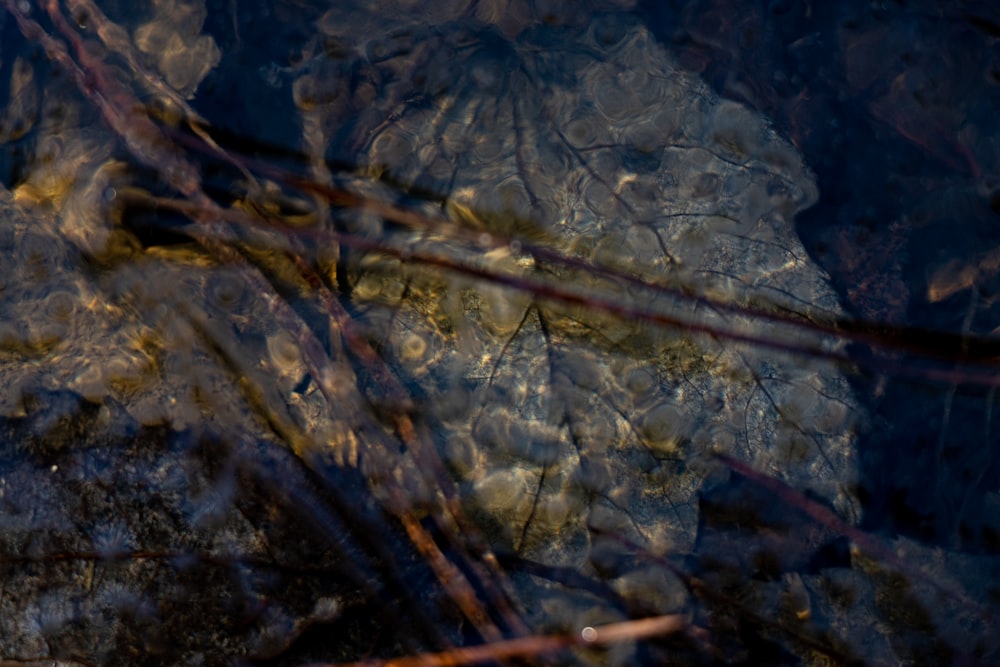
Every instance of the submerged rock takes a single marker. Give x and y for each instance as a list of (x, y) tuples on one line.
[(569, 427)]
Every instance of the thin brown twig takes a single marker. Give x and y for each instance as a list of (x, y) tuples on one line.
[(937, 356), (724, 601), (524, 647), (143, 136), (146, 141), (882, 337), (959, 371), (116, 39)]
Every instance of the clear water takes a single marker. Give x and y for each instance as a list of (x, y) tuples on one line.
[(445, 342)]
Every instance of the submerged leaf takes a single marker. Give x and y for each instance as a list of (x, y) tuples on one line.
[(590, 142)]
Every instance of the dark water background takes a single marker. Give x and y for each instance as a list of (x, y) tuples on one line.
[(892, 105)]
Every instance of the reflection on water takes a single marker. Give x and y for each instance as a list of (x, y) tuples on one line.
[(456, 326)]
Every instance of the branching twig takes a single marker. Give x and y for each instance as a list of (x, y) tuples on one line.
[(148, 143)]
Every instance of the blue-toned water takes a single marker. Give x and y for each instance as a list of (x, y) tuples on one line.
[(495, 319)]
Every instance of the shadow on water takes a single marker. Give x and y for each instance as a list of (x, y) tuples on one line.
[(483, 332), (889, 103)]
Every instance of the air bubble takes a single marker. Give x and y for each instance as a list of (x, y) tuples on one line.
[(392, 149), (43, 337), (640, 381), (460, 455), (504, 437), (60, 305), (655, 586), (663, 426), (286, 357), (490, 149), (614, 102), (551, 513), (308, 93), (504, 308), (506, 493), (613, 654), (582, 370), (585, 131), (90, 383), (609, 32), (40, 257), (412, 348), (226, 290)]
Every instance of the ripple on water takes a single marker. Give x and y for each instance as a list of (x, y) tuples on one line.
[(602, 148), (557, 420)]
